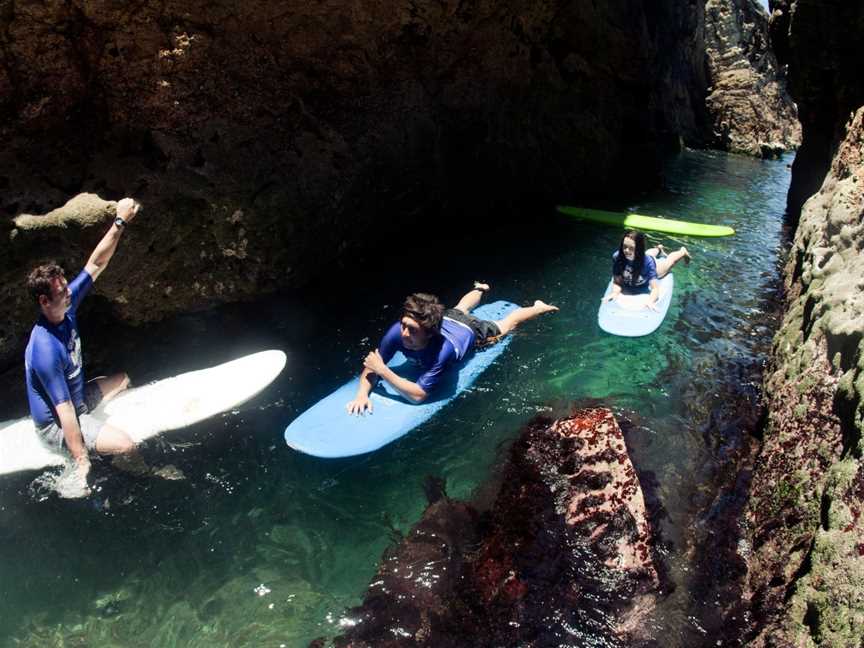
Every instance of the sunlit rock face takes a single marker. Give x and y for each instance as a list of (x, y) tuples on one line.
[(751, 110), (269, 142), (564, 556), (806, 571)]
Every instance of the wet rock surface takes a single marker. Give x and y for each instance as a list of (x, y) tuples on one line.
[(565, 554), (751, 109), (806, 572), (269, 143)]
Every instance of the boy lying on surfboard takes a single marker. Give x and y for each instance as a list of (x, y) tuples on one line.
[(435, 338)]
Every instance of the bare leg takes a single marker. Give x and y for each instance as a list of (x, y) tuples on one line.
[(470, 300), (112, 441), (112, 385), (524, 314), (656, 251), (665, 264)]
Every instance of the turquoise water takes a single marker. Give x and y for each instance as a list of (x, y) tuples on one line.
[(262, 546)]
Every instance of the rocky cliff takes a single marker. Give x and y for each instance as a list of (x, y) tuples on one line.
[(819, 44), (806, 570), (750, 108), (268, 140)]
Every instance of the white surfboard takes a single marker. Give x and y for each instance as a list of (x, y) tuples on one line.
[(144, 412), (629, 315)]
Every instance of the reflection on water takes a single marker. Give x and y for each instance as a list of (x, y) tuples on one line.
[(262, 546)]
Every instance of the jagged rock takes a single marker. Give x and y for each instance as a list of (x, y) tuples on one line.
[(565, 553), (264, 136), (818, 43), (748, 101), (806, 572)]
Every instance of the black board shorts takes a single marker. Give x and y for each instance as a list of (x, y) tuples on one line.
[(485, 331)]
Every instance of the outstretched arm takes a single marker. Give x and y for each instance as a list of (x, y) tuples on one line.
[(101, 256)]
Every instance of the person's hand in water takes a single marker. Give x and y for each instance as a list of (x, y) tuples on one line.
[(80, 472), (360, 406)]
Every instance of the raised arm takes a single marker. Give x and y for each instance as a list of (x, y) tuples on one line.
[(101, 256)]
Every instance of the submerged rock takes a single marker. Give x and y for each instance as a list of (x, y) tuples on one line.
[(565, 554)]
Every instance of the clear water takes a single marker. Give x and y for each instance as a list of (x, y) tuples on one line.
[(262, 546)]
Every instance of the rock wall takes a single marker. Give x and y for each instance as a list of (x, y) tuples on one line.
[(270, 142), (806, 570), (750, 107), (819, 42)]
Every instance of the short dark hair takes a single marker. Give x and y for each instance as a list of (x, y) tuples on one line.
[(40, 279), (425, 309)]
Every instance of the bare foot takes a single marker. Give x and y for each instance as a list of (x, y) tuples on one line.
[(482, 287), (686, 254), (544, 307)]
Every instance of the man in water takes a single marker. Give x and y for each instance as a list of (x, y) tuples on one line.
[(60, 400), (435, 338)]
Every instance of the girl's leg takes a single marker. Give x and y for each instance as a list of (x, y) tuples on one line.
[(664, 265)]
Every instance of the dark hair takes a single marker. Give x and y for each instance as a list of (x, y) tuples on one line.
[(425, 309), (40, 278), (621, 261)]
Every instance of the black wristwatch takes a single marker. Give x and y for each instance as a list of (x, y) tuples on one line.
[(119, 222)]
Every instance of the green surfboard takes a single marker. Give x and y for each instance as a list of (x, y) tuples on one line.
[(639, 222)]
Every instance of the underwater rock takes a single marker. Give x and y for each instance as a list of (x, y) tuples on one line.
[(750, 107), (564, 555)]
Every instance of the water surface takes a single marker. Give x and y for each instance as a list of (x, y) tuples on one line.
[(262, 546)]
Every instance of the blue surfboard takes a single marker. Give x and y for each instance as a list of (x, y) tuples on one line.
[(628, 316), (327, 430)]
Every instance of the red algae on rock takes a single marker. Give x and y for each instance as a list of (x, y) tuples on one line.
[(565, 553)]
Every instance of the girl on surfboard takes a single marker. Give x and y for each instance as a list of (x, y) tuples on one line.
[(637, 270)]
